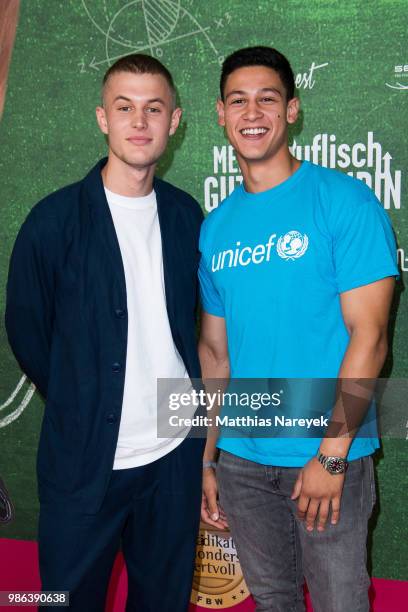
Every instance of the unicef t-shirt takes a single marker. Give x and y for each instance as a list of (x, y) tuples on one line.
[(274, 265)]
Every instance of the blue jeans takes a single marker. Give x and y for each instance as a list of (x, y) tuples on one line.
[(275, 550)]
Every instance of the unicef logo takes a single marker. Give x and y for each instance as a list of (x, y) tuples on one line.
[(292, 245)]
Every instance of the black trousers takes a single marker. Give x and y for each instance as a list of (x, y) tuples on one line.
[(153, 513)]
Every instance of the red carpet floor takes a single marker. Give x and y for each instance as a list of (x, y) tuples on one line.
[(19, 572)]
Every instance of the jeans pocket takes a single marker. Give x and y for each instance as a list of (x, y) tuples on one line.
[(355, 473), (369, 465)]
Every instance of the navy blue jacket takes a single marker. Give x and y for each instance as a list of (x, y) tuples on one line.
[(66, 321)]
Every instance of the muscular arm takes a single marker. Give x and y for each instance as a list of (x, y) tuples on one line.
[(365, 312), (213, 353)]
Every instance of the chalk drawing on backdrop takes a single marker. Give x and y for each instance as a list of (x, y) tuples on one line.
[(145, 26), (400, 73), (17, 402)]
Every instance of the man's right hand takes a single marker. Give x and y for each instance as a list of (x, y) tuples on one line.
[(211, 511)]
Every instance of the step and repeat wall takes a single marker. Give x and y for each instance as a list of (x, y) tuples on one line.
[(351, 65)]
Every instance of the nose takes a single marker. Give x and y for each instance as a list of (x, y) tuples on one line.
[(253, 111), (139, 120)]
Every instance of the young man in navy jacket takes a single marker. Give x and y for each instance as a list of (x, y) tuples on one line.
[(101, 302)]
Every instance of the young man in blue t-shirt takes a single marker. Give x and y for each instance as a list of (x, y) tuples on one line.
[(297, 275)]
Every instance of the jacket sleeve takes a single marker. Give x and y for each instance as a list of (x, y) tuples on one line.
[(30, 303)]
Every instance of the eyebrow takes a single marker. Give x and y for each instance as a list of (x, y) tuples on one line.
[(151, 101), (243, 93)]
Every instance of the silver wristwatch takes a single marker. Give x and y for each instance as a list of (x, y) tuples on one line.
[(334, 465)]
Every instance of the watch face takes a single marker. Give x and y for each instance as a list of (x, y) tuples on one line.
[(335, 465)]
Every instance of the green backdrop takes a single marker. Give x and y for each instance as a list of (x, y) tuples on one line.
[(350, 59)]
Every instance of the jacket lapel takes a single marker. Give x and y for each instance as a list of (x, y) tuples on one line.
[(102, 219), (167, 210), (167, 213)]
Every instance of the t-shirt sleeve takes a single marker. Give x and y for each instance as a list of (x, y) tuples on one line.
[(210, 298), (364, 247)]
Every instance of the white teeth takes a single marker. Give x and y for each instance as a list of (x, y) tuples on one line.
[(253, 131)]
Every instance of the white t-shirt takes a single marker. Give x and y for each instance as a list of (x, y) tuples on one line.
[(151, 352)]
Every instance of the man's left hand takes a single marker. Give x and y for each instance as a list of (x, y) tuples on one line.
[(316, 490)]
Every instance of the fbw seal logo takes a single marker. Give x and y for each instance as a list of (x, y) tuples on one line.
[(292, 245)]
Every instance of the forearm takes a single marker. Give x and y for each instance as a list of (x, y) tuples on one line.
[(213, 365), (215, 372), (363, 359), (365, 354)]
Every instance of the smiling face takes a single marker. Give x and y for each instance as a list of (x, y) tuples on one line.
[(256, 114), (138, 116)]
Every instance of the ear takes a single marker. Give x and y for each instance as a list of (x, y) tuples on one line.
[(221, 112), (175, 120), (101, 119), (292, 110)]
